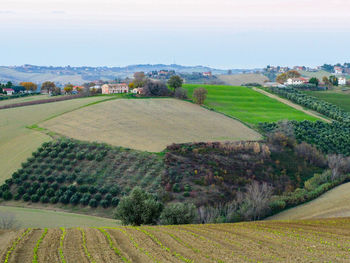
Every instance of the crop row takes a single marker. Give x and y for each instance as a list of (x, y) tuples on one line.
[(36, 248), (111, 244), (14, 245)]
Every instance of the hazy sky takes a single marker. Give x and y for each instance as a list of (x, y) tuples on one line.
[(218, 33)]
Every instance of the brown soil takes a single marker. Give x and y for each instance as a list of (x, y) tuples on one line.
[(98, 247), (6, 239), (152, 247), (73, 249), (127, 248), (48, 250), (24, 250)]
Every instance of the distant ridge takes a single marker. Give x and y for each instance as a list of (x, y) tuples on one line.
[(82, 74)]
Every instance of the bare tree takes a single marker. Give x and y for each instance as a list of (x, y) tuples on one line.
[(199, 95), (8, 221), (256, 200), (338, 165)]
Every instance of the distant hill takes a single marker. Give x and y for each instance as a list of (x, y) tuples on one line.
[(79, 75)]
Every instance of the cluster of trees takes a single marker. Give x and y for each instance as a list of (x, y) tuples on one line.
[(52, 175), (330, 138), (323, 107), (282, 78)]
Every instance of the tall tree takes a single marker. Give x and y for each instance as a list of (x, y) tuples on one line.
[(29, 86), (199, 95), (175, 82), (48, 86), (68, 88), (139, 79), (314, 81)]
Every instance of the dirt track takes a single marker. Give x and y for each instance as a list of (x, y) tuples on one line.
[(291, 104), (268, 241)]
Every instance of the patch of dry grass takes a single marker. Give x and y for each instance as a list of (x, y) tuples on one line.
[(149, 124)]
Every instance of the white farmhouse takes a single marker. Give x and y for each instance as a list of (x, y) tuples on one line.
[(342, 81), (296, 81)]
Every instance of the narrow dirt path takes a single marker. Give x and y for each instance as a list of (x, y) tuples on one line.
[(98, 247), (291, 104), (48, 250), (24, 252), (73, 249)]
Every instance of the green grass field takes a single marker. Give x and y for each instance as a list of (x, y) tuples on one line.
[(18, 142), (340, 99), (247, 105), (40, 218)]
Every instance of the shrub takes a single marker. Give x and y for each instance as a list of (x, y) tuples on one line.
[(92, 189), (54, 186), (115, 201), (26, 197), (317, 180), (181, 93), (54, 200), (105, 203), (41, 178), (34, 198), (44, 199), (139, 208), (75, 198), (85, 199), (115, 190), (7, 195), (98, 197), (40, 192), (50, 192), (103, 190), (21, 190), (178, 213), (17, 196), (277, 205), (64, 199), (93, 203)]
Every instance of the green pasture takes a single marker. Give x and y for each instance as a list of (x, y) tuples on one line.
[(339, 99), (247, 105)]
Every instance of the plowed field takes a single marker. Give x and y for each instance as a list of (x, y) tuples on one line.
[(270, 241)]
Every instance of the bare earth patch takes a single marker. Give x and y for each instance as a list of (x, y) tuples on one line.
[(149, 124)]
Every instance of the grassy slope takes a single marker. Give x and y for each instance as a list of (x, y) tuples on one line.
[(40, 218), (339, 99), (334, 203), (149, 124), (319, 74), (247, 105), (24, 99), (17, 142)]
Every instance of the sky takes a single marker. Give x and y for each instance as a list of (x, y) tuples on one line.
[(220, 33)]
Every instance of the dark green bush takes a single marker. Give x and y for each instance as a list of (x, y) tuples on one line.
[(7, 195), (93, 202), (50, 192), (34, 198), (105, 203), (44, 199), (115, 201), (179, 213), (17, 196), (92, 189), (54, 200), (98, 197), (26, 197)]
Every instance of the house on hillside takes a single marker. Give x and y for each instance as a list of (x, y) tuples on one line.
[(338, 70), (207, 74), (137, 91), (296, 81), (342, 81), (115, 88), (9, 91)]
